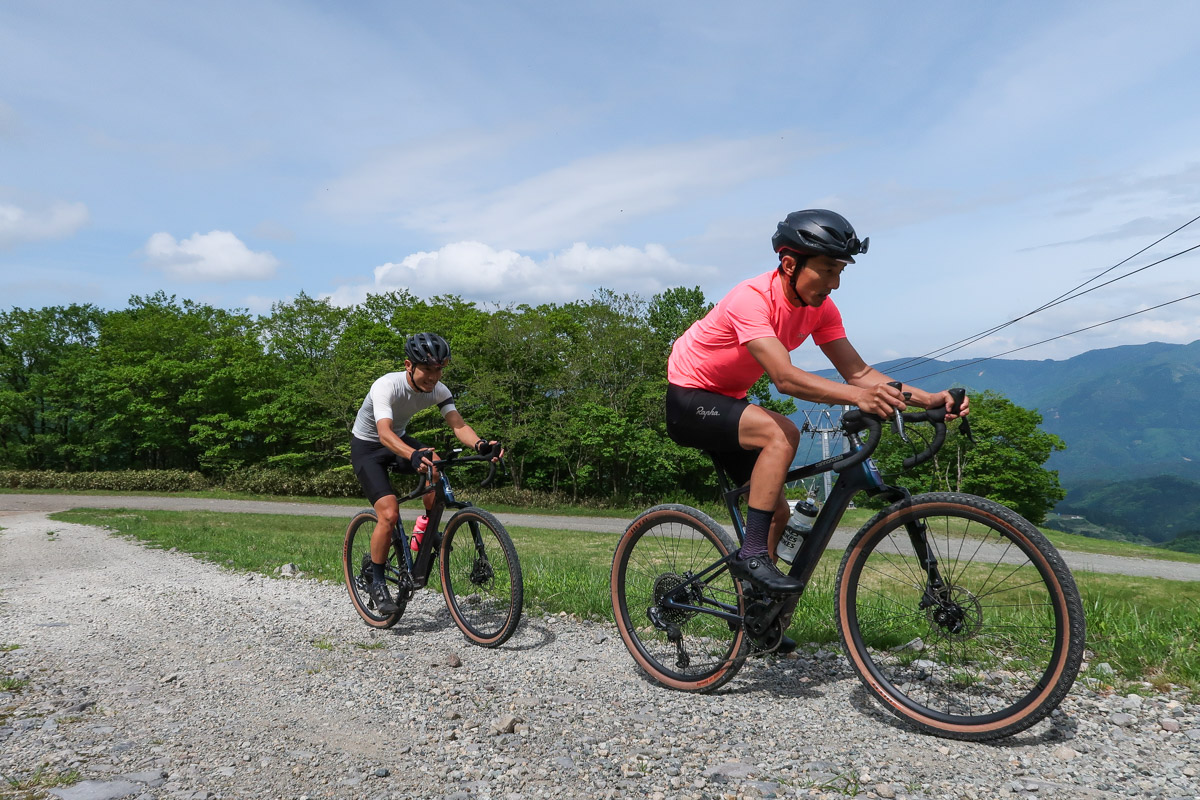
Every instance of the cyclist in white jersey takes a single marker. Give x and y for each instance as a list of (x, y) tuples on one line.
[(378, 441)]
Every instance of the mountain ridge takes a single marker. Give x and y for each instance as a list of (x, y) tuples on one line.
[(1120, 410)]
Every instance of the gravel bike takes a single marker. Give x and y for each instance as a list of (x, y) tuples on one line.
[(479, 573), (955, 612)]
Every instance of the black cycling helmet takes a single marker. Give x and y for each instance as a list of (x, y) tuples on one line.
[(818, 232), (427, 348)]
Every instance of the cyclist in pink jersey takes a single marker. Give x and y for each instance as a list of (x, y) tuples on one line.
[(751, 331)]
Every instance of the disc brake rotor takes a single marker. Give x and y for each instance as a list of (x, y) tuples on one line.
[(958, 614)]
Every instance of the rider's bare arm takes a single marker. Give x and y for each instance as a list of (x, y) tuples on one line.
[(390, 440), (865, 387), (465, 433), (857, 372), (791, 380)]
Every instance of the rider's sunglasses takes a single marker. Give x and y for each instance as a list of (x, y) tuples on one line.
[(854, 246)]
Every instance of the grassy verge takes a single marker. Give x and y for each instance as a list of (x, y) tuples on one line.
[(853, 518), (1145, 628)]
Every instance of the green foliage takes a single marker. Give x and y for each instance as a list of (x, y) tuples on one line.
[(1188, 542), (1004, 464), (1118, 408), (328, 483), (265, 405), (158, 480), (1157, 509)]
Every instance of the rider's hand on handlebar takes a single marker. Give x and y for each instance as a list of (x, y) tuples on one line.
[(882, 400), (422, 459), (483, 447), (947, 400)]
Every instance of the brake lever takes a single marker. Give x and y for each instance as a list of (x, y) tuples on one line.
[(958, 395), (898, 418)]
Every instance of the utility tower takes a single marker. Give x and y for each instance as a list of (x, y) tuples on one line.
[(818, 423)]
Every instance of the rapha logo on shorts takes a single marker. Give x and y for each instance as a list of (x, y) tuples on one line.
[(711, 412)]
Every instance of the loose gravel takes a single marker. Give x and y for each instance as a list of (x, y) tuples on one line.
[(145, 673)]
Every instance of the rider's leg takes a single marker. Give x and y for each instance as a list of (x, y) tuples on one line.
[(776, 438), (387, 510)]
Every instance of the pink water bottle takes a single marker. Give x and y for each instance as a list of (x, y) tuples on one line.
[(418, 532)]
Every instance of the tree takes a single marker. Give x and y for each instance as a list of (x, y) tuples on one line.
[(174, 384), (1005, 464), (45, 419)]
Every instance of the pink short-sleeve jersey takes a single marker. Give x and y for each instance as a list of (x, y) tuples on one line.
[(712, 353)]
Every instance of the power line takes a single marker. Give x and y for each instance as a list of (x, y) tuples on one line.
[(1070, 294), (1060, 336)]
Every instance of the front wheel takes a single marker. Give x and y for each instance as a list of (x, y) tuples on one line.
[(481, 577), (981, 645), (356, 568), (671, 553)]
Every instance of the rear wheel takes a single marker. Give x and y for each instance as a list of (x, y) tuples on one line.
[(356, 567), (667, 547), (989, 652), (481, 577)]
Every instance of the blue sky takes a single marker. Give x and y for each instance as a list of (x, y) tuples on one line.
[(997, 154)]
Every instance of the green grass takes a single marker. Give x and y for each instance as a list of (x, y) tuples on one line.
[(41, 778), (853, 518), (1087, 544), (1145, 628)]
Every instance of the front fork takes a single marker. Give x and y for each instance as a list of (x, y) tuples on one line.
[(937, 595)]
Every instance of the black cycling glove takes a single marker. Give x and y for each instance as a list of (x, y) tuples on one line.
[(418, 456), (485, 448)]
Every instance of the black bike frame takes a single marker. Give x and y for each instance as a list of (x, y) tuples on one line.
[(863, 476), (420, 568)]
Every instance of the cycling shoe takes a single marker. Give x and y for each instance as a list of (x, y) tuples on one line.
[(763, 575), (382, 598)]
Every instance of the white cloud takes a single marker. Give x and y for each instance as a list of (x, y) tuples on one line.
[(212, 256), (591, 195), (398, 178), (434, 187), (481, 273), (1065, 70), (58, 221)]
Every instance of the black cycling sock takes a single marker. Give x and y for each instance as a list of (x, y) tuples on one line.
[(377, 572), (758, 526)]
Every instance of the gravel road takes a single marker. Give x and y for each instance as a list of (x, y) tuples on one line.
[(144, 673)]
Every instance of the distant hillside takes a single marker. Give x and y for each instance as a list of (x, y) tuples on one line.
[(1123, 411), (1185, 543), (1159, 509)]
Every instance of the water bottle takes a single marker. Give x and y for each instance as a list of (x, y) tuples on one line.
[(798, 526), (418, 533)]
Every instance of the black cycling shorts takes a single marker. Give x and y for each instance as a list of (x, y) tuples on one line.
[(371, 461), (709, 421)]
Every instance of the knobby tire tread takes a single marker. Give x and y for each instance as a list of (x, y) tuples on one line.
[(627, 619), (1063, 664), (457, 528), (356, 542)]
